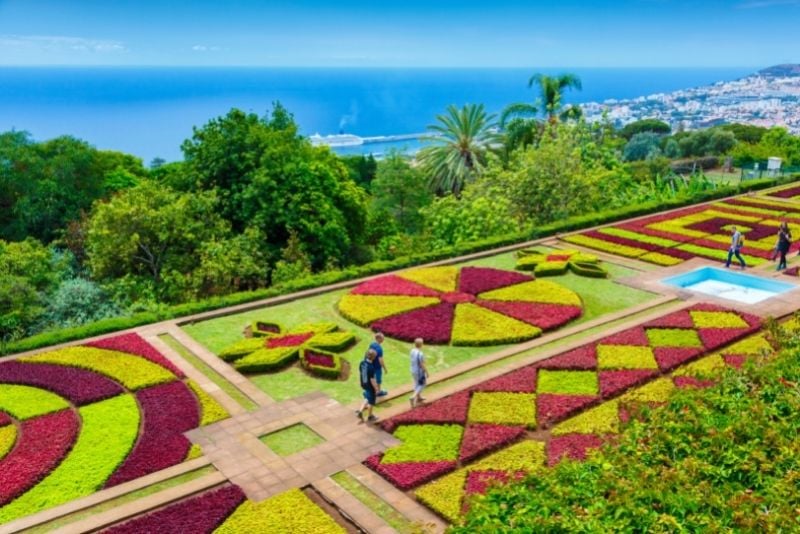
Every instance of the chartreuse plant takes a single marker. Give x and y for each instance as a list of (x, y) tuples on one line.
[(704, 319), (290, 511), (718, 459), (364, 309), (677, 337), (503, 408), (133, 372), (108, 432), (25, 402), (425, 443), (445, 495), (625, 357), (567, 382), (603, 419), (211, 411), (475, 325), (8, 436)]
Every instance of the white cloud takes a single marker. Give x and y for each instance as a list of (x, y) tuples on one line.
[(205, 48), (60, 43)]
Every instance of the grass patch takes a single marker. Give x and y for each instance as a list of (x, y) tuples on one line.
[(291, 439), (218, 333), (370, 499), (232, 391), (66, 520)]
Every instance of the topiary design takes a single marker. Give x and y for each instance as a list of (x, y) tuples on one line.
[(272, 348), (460, 306), (558, 262)]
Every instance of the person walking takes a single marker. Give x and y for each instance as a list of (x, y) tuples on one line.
[(737, 242), (784, 243), (419, 372), (369, 387), (380, 365)]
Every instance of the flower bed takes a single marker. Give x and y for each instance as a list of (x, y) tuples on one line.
[(92, 417), (581, 397), (467, 306), (700, 231), (274, 348)]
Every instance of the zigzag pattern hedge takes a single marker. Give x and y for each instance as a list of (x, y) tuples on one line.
[(700, 231), (467, 306), (577, 399), (91, 417)]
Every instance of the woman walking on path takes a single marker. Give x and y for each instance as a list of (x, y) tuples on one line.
[(784, 243), (419, 373)]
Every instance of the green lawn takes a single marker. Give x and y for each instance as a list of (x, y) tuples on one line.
[(292, 439), (600, 297)]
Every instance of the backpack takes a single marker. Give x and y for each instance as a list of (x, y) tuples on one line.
[(363, 371)]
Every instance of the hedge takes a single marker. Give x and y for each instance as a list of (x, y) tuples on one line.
[(115, 324)]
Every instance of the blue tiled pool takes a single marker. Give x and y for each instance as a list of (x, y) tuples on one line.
[(729, 284)]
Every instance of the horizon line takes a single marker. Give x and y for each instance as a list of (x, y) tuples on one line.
[(372, 67)]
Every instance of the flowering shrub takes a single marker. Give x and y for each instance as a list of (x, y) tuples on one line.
[(78, 386), (445, 495), (211, 411), (41, 445), (674, 337), (573, 446), (551, 409), (476, 325), (450, 409), (613, 382), (670, 357), (365, 309), (8, 436), (409, 474), (481, 439), (788, 192), (503, 408), (425, 443), (603, 419), (567, 382), (625, 357), (24, 402), (521, 380), (134, 344), (467, 306), (133, 372), (199, 513), (108, 432), (581, 358), (290, 511), (321, 363), (264, 328), (167, 412)]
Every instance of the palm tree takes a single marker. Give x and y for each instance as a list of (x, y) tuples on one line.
[(460, 141), (551, 89)]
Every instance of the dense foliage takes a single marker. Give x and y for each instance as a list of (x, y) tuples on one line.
[(718, 459), (89, 235)]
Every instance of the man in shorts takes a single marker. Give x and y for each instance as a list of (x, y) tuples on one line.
[(369, 386), (380, 365)]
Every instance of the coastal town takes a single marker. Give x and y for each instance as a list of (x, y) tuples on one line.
[(770, 97)]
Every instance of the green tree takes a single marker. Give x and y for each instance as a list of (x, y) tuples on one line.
[(746, 133), (266, 176), (551, 93), (362, 169), (457, 150), (150, 231), (645, 126), (644, 145), (400, 190), (776, 142), (75, 302), (236, 263)]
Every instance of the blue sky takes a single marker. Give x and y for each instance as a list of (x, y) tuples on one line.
[(403, 33)]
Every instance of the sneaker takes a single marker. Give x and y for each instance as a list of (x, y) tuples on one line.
[(358, 414), (372, 418), (421, 399), (382, 393)]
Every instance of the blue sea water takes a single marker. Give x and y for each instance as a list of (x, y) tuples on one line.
[(150, 111)]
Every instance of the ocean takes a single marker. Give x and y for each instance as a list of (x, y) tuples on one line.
[(149, 111)]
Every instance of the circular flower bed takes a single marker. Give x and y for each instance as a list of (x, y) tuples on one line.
[(460, 306)]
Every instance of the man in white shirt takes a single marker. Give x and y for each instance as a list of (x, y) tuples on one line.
[(419, 373)]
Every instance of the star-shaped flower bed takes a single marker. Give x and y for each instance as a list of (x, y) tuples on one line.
[(272, 348), (461, 306)]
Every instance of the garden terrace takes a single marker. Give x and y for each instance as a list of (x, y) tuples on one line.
[(243, 421)]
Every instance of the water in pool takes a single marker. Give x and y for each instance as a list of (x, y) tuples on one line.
[(729, 285)]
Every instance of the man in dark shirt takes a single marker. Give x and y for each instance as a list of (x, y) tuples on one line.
[(369, 386), (380, 365)]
